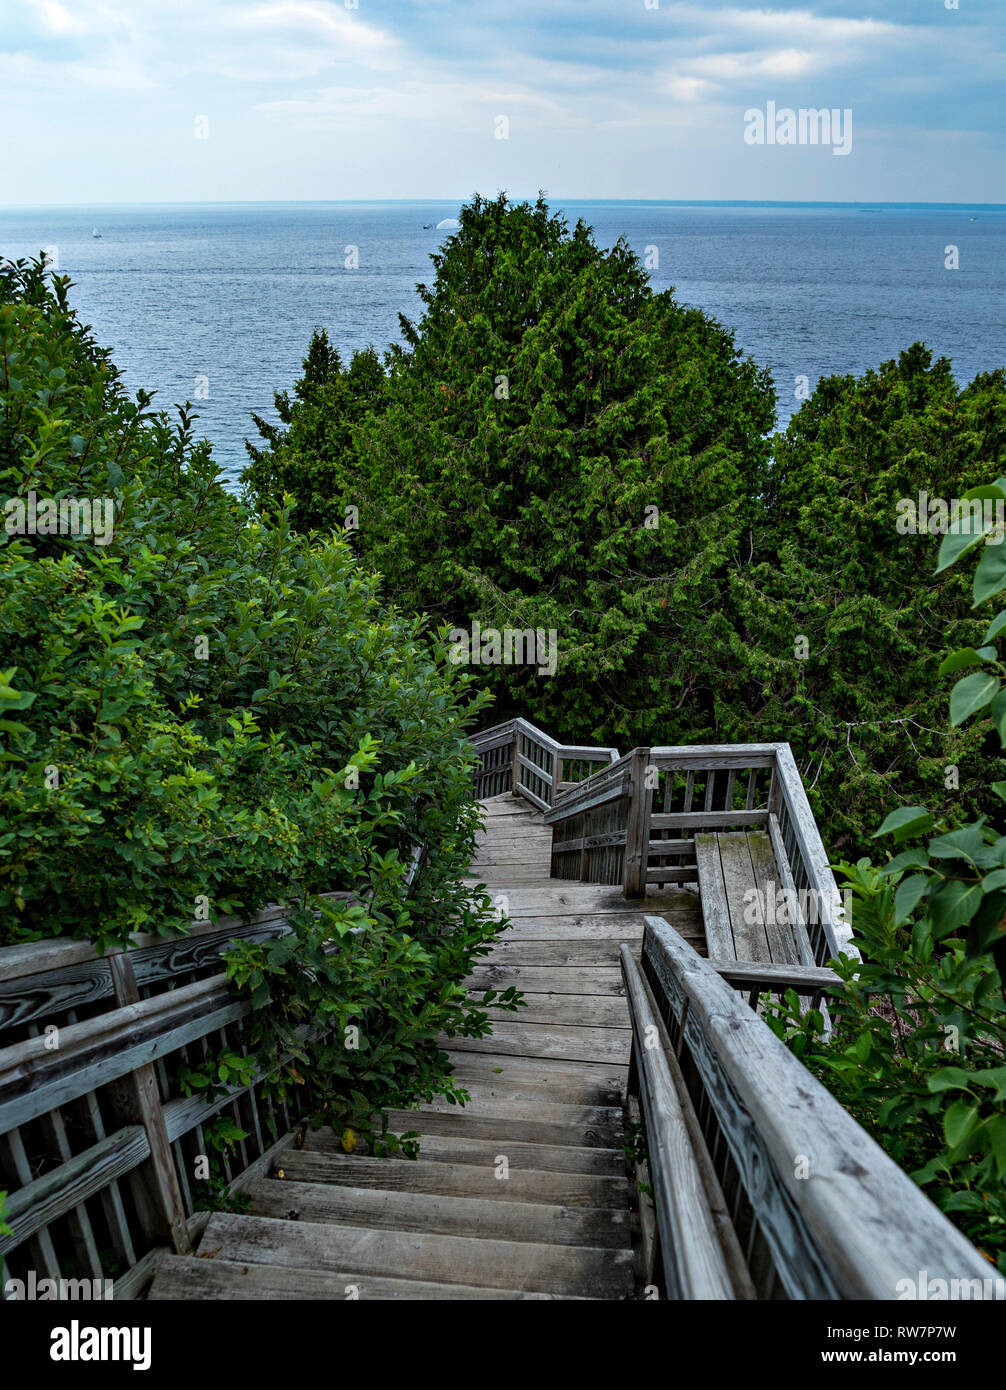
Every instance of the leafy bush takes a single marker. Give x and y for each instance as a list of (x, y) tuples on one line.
[(919, 1049), (211, 712)]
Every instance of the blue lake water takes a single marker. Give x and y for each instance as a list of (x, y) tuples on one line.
[(216, 303)]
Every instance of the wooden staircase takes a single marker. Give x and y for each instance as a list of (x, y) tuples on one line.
[(520, 1194)]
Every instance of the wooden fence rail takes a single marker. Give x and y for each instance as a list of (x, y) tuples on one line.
[(634, 823), (515, 756), (764, 1185), (103, 1153)]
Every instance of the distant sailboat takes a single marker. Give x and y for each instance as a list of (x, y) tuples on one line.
[(95, 232)]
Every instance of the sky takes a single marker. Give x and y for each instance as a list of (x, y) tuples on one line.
[(224, 100)]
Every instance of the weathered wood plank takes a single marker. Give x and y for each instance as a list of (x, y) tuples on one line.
[(550, 1040), (597, 1272), (746, 917), (693, 1258), (772, 977), (385, 1209), (782, 944), (685, 820), (97, 1051), (449, 1148), (507, 1122), (713, 894), (184, 1277), (577, 980), (586, 1011), (856, 1224), (570, 1083), (453, 1179)]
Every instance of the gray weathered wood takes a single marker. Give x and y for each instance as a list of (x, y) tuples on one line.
[(857, 1224), (689, 1239)]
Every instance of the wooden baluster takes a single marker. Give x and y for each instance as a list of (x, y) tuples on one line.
[(136, 1099), (637, 833)]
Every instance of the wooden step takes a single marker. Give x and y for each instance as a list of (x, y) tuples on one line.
[(503, 1122), (586, 1011), (438, 1214), (529, 1122), (581, 980), (503, 1099), (596, 1272), (577, 951), (567, 1083), (534, 1185), (550, 1158), (189, 1277), (550, 1040)]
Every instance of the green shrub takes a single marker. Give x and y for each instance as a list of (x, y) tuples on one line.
[(919, 1048), (211, 712)]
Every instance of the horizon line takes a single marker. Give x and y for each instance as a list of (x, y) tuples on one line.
[(517, 198)]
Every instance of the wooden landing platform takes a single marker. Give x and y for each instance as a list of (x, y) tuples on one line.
[(521, 1194)]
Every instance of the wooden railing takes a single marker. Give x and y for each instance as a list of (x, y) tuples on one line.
[(102, 1152), (764, 1186), (517, 757), (634, 823)]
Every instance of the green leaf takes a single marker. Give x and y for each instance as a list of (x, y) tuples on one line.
[(908, 896), (954, 905), (996, 626), (966, 843), (962, 536), (959, 1122), (906, 821), (970, 695), (907, 859), (956, 661), (990, 576), (949, 1079)]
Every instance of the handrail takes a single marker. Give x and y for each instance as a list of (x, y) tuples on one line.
[(634, 821), (86, 1058), (517, 756), (829, 1214)]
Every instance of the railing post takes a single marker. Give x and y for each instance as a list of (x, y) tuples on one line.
[(557, 762), (514, 759), (637, 830), (137, 1100)]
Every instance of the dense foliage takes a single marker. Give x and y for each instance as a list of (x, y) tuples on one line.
[(207, 711), (557, 447), (918, 1049)]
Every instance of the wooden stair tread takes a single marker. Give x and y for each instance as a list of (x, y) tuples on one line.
[(536, 1185), (458, 1148), (441, 1214), (189, 1277), (596, 1271)]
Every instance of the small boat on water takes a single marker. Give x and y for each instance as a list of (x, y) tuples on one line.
[(95, 232), (427, 226)]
